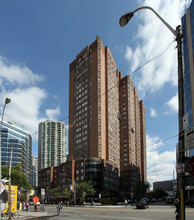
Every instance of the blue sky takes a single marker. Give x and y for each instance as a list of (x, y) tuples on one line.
[(40, 38)]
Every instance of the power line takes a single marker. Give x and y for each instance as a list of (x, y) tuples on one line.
[(152, 59), (155, 57), (94, 100), (160, 142), (163, 140), (162, 151)]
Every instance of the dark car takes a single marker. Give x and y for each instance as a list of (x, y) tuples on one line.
[(142, 204), (189, 202)]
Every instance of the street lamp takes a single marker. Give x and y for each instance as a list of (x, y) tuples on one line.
[(73, 183), (7, 101), (181, 148)]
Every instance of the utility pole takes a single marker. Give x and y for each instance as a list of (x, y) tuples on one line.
[(181, 144), (9, 195), (124, 19)]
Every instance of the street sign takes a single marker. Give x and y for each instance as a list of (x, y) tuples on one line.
[(190, 166), (189, 138), (42, 192), (180, 168), (4, 196), (35, 199)]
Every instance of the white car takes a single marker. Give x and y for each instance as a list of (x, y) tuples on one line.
[(38, 203)]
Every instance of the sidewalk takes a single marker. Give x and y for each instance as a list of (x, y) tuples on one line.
[(31, 214)]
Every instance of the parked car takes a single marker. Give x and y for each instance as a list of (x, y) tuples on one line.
[(38, 203), (190, 202), (169, 200), (142, 204)]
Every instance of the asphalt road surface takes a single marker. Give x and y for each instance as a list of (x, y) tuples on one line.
[(115, 212)]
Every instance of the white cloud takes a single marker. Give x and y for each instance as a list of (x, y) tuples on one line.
[(160, 164), (24, 107), (53, 113), (152, 38), (153, 112), (173, 103), (15, 74), (27, 99)]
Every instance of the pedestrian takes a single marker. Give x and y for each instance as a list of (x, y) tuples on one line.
[(27, 204), (35, 207), (125, 202), (59, 207), (176, 202)]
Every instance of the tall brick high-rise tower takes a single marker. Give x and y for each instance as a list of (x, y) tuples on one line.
[(94, 129), (106, 118)]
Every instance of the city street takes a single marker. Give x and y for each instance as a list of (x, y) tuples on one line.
[(115, 212)]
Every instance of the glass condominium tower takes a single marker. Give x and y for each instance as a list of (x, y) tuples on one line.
[(188, 47), (52, 144), (12, 133)]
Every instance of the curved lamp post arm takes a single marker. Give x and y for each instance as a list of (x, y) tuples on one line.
[(181, 146), (126, 17)]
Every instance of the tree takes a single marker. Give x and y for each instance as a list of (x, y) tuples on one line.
[(17, 177), (141, 188), (55, 191), (157, 194), (67, 193), (85, 189)]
